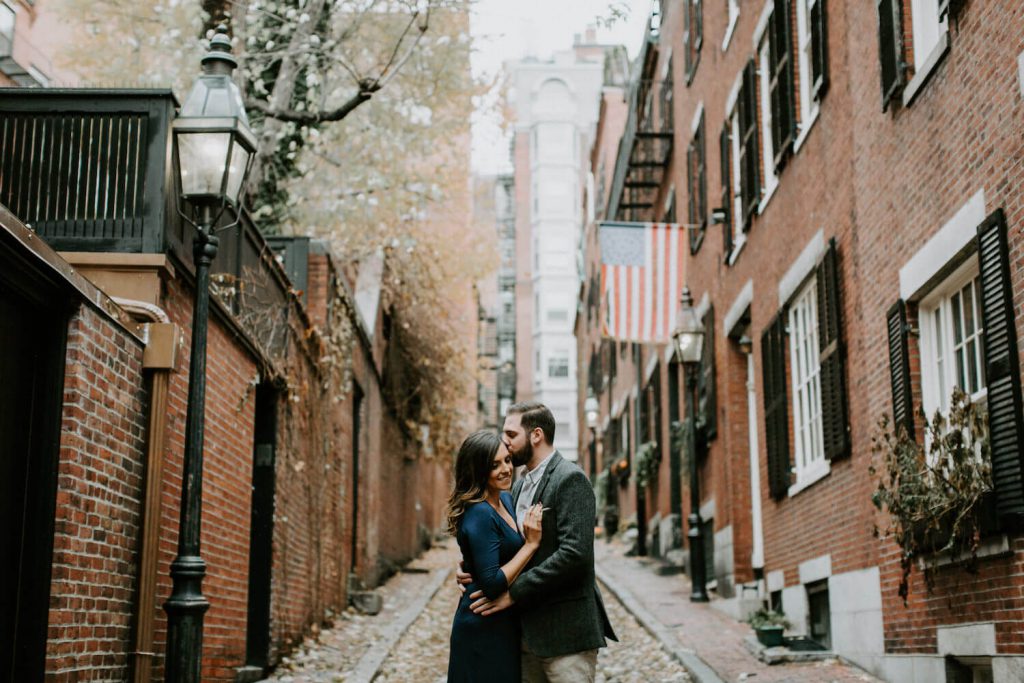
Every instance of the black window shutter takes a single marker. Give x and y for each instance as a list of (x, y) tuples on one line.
[(1002, 368), (832, 355), (819, 50), (688, 41), (725, 203), (776, 416), (783, 100), (691, 195), (749, 160), (899, 368), (708, 403), (702, 176), (890, 48), (697, 24)]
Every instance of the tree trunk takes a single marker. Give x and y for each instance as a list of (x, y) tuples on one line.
[(281, 96)]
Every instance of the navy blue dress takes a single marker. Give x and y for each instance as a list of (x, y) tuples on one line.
[(486, 648)]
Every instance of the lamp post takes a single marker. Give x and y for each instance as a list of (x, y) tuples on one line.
[(590, 407), (214, 149), (689, 341)]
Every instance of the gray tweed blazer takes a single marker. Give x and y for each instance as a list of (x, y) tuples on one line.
[(559, 602)]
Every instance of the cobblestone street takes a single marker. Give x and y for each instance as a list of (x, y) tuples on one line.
[(353, 650)]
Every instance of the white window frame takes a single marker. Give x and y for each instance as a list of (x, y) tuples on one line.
[(733, 8), (809, 107), (930, 41), (928, 30), (739, 237), (809, 459), (938, 360), (770, 181), (557, 358), (9, 11)]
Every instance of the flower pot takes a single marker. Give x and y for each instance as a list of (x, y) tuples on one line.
[(769, 636)]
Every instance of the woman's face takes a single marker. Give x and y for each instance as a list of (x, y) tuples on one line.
[(500, 478)]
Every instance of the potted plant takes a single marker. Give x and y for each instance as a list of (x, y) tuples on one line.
[(769, 626)]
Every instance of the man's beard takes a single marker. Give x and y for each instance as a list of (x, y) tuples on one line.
[(523, 455)]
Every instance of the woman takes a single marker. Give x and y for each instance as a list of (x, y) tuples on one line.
[(481, 517)]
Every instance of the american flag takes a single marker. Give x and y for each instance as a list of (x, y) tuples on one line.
[(641, 279)]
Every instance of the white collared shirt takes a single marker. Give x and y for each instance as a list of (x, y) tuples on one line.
[(531, 479)]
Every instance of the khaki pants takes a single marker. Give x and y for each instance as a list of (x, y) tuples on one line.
[(579, 667)]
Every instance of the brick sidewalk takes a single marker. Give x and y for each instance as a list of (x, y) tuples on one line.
[(715, 637)]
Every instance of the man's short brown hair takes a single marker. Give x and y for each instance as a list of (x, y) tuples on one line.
[(535, 414)]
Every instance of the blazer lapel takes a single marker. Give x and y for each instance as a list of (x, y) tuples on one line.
[(517, 487), (556, 459)]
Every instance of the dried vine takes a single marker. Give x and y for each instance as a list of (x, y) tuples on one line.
[(934, 494)]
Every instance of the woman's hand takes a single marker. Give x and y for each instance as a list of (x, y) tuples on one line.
[(532, 524)]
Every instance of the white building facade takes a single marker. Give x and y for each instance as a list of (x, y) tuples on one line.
[(556, 106)]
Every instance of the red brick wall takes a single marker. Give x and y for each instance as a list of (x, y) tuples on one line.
[(309, 565), (227, 482), (98, 510), (882, 184), (913, 169)]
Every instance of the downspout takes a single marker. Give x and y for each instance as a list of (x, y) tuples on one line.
[(160, 358), (757, 551)]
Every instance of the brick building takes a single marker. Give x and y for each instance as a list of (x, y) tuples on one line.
[(25, 33), (313, 484), (848, 177)]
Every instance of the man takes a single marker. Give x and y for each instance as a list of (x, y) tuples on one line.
[(563, 617)]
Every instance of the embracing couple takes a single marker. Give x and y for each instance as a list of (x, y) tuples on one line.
[(530, 609)]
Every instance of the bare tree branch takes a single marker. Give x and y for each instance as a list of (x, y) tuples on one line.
[(366, 90), (368, 86), (385, 76)]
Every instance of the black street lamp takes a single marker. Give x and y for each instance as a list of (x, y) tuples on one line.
[(689, 340), (214, 149), (590, 407)]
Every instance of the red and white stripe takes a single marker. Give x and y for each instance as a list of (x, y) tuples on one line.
[(643, 300)]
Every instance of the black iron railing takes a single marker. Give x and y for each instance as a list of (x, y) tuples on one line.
[(89, 170)]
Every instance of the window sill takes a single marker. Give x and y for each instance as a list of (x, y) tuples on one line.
[(996, 546), (768, 194), (730, 31), (811, 475), (806, 130), (737, 247), (927, 69)]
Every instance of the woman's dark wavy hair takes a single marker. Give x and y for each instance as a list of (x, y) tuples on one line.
[(472, 470)]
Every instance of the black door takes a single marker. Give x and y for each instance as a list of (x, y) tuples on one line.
[(357, 418), (32, 344), (261, 530)]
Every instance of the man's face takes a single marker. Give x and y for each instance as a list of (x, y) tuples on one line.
[(517, 440)]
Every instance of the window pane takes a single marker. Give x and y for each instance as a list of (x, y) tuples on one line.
[(981, 334), (940, 358), (972, 367), (958, 334), (805, 370), (7, 20), (927, 29), (970, 326)]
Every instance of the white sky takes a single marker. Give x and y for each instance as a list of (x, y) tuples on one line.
[(511, 29)]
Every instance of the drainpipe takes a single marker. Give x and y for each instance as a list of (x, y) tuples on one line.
[(757, 552), (160, 359)]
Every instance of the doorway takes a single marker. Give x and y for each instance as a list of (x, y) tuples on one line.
[(261, 530), (33, 337), (357, 419)]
